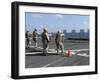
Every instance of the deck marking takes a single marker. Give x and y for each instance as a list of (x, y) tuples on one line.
[(54, 62), (83, 54), (73, 52)]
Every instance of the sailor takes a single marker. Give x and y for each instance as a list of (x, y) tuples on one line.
[(45, 41), (27, 38), (35, 37), (59, 42)]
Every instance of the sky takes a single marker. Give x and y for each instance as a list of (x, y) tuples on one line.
[(55, 22)]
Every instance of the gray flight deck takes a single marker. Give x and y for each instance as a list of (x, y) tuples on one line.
[(79, 49)]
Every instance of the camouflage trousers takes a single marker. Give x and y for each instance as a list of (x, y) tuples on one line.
[(45, 47), (60, 46), (28, 42)]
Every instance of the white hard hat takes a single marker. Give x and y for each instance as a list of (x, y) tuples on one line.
[(59, 31), (45, 29)]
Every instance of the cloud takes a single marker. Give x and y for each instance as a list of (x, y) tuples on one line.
[(36, 15), (58, 16)]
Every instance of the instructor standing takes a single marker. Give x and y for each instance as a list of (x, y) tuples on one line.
[(45, 41), (35, 37), (59, 42)]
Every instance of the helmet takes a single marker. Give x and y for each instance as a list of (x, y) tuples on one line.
[(59, 31), (35, 29), (45, 29), (27, 31)]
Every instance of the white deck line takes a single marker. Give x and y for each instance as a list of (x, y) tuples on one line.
[(72, 51), (83, 54), (54, 62)]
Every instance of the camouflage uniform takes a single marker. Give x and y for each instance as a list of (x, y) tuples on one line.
[(45, 41), (59, 42), (35, 37), (27, 39)]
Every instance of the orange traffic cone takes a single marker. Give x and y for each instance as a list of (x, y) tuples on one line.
[(69, 52)]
